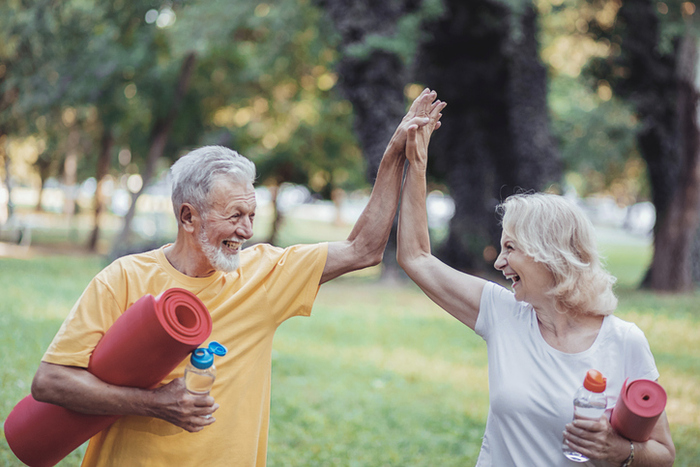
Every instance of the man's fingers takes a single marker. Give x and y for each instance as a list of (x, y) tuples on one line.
[(423, 101), (418, 100), (204, 401), (437, 107)]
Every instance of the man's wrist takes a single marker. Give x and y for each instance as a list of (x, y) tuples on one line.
[(394, 148)]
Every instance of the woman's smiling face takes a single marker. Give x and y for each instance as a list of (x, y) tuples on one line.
[(531, 279)]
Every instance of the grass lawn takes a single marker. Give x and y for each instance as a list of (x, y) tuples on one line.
[(377, 376)]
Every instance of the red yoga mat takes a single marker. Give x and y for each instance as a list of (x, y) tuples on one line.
[(141, 348), (639, 406)]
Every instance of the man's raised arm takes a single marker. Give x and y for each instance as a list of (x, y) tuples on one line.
[(367, 241)]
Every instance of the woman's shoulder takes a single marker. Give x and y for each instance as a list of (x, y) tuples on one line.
[(625, 330), (497, 292), (500, 302)]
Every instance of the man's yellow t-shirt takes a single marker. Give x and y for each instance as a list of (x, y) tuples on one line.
[(246, 307)]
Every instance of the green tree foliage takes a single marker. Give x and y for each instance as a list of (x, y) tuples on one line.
[(270, 93), (262, 83), (594, 128), (266, 88)]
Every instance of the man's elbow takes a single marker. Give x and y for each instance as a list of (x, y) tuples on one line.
[(671, 459), (366, 256), (366, 261), (43, 384), (39, 387), (375, 258)]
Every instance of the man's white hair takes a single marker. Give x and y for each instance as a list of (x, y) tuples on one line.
[(194, 174)]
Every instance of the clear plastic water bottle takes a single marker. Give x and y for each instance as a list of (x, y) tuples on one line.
[(200, 372), (589, 402)]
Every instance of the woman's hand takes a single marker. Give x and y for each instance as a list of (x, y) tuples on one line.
[(418, 136), (596, 439)]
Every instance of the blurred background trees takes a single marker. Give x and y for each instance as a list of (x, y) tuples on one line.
[(589, 98), (483, 57)]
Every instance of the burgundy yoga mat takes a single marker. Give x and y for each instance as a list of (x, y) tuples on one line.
[(639, 406), (141, 348)]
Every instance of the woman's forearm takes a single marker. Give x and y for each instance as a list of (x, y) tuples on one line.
[(413, 237)]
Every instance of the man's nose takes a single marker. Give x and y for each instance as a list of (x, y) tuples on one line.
[(245, 228)]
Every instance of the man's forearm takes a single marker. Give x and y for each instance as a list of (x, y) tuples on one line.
[(374, 224), (365, 245), (78, 390)]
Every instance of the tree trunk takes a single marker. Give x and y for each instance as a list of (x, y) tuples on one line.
[(671, 268), (373, 83), (39, 204), (159, 138), (277, 216), (70, 172), (375, 88), (495, 137), (695, 258), (103, 162), (9, 211), (662, 89), (43, 167)]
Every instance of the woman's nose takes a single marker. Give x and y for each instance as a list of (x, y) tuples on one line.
[(500, 262)]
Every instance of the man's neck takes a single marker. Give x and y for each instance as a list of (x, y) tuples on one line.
[(188, 259)]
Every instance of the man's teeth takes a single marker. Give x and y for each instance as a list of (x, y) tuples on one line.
[(231, 244)]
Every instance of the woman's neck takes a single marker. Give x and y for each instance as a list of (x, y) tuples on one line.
[(566, 331)]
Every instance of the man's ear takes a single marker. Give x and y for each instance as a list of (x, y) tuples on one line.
[(188, 217)]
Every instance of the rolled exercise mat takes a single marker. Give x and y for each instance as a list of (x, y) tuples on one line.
[(639, 406), (142, 347)]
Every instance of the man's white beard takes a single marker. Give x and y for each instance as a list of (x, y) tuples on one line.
[(216, 255)]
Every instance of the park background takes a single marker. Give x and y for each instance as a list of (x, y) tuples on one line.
[(593, 99)]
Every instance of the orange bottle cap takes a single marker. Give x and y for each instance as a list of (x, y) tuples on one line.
[(594, 382)]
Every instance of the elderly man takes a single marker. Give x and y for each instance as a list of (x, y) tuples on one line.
[(249, 293)]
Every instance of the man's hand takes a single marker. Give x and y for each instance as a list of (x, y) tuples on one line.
[(424, 113), (174, 404)]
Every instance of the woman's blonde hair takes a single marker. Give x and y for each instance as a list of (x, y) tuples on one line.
[(557, 233)]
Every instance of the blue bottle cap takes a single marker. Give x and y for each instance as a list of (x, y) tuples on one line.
[(217, 349), (202, 359)]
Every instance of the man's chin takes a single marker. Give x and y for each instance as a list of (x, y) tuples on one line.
[(225, 263)]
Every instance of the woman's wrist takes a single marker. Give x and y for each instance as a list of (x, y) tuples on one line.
[(627, 462)]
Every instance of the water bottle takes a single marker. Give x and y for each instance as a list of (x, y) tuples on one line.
[(200, 372), (589, 402)]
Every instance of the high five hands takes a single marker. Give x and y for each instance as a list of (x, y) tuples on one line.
[(424, 113), (421, 120)]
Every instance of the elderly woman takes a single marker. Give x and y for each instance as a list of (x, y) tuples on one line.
[(542, 336)]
